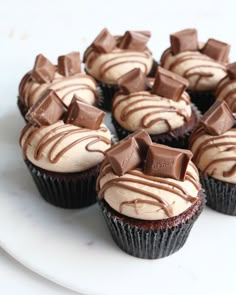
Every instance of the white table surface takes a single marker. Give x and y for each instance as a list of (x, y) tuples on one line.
[(57, 27)]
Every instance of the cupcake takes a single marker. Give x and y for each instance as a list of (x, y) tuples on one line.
[(65, 78), (63, 149), (213, 144), (203, 65), (109, 57), (149, 195), (226, 89), (162, 107)]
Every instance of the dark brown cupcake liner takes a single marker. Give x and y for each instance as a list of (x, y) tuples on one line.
[(202, 99), (178, 138), (151, 239), (221, 196), (66, 190), (22, 108)]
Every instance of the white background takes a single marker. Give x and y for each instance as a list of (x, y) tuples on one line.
[(58, 27)]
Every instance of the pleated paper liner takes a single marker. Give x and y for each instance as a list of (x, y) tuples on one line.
[(202, 99), (221, 196), (22, 108), (178, 138), (151, 239)]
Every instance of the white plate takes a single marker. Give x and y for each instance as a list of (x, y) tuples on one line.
[(75, 249)]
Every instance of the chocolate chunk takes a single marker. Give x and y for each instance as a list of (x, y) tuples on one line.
[(164, 161), (217, 50), (218, 119), (104, 42), (143, 140), (185, 40), (84, 115), (43, 71), (69, 64), (134, 40), (124, 156), (168, 84), (133, 81), (47, 110), (231, 70)]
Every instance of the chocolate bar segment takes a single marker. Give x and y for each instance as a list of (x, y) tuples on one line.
[(218, 119), (167, 162), (44, 70), (124, 156), (231, 70), (104, 42), (132, 81), (168, 84), (134, 40), (84, 115), (186, 40), (217, 50), (47, 110), (143, 140), (69, 64)]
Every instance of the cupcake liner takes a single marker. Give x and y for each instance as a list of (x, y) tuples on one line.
[(202, 99), (221, 196), (151, 239), (22, 108), (66, 190)]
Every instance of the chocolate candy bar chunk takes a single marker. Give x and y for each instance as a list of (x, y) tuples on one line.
[(104, 42), (134, 40), (168, 84), (217, 50), (47, 110), (218, 119), (69, 64), (167, 162), (84, 115), (231, 70), (133, 81), (185, 40), (143, 140), (43, 71)]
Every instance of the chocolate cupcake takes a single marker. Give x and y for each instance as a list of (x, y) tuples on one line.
[(161, 107), (65, 78), (150, 196), (203, 65), (63, 149), (109, 57), (213, 144)]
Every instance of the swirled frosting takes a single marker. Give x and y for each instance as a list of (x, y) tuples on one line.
[(202, 72), (151, 112), (63, 147), (148, 197), (226, 90), (215, 155)]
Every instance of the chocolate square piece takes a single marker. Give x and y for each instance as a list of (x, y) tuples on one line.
[(143, 140), (44, 70), (185, 40), (168, 84), (84, 115), (69, 64), (124, 156), (218, 119), (47, 110), (135, 40), (231, 70), (217, 50), (133, 81), (167, 162), (104, 42)]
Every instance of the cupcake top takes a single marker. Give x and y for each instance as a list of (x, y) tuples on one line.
[(65, 78), (148, 181), (158, 107), (109, 57), (64, 140), (202, 65), (213, 143), (226, 89)]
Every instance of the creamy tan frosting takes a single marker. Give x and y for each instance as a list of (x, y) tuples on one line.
[(80, 84), (63, 147), (109, 67), (151, 112), (202, 72), (215, 155), (226, 90), (148, 197)]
